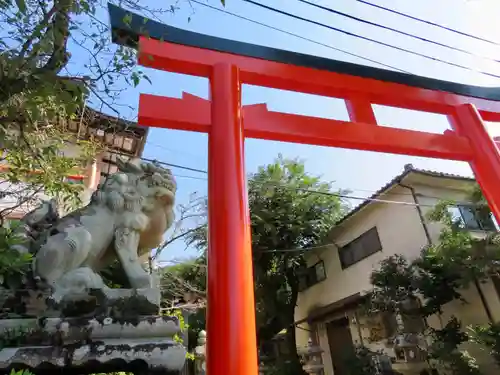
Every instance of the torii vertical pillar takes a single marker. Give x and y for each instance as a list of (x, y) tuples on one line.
[(485, 163), (231, 306)]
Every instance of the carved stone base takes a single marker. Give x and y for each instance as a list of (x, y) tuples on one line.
[(112, 302), (79, 345), (28, 303), (108, 356)]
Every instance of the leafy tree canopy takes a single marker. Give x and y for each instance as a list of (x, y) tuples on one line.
[(444, 269), (290, 211)]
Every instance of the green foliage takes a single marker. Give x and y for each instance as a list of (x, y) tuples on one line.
[(361, 362), (56, 57), (114, 276), (285, 215), (13, 337), (20, 372), (489, 337), (289, 210), (398, 280), (13, 266), (185, 280), (455, 262), (184, 326), (37, 166), (393, 283)]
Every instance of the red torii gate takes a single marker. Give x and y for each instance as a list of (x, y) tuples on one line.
[(231, 308)]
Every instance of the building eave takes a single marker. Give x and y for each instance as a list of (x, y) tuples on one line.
[(408, 170)]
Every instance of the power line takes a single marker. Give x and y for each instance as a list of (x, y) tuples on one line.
[(340, 195), (172, 150), (206, 179), (175, 166), (347, 196), (192, 177), (428, 22), (394, 30), (369, 39), (298, 36)]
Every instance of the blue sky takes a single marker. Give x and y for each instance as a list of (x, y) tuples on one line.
[(360, 172)]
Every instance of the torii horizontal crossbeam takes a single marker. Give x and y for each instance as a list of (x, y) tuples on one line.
[(169, 56), (260, 123)]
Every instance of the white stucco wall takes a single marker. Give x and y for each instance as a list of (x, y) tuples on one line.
[(401, 232)]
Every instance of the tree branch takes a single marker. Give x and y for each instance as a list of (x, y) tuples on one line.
[(60, 29), (175, 238)]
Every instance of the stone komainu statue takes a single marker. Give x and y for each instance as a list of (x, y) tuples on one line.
[(125, 219)]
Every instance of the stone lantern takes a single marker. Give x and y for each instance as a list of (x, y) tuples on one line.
[(311, 357)]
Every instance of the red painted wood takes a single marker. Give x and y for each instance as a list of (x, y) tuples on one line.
[(189, 113), (260, 123), (194, 61), (231, 321), (232, 346), (486, 159), (360, 110), (334, 133)]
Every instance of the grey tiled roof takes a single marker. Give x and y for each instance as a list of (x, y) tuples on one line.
[(408, 169)]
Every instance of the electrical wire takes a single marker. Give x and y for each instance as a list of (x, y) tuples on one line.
[(350, 189), (206, 179), (282, 12), (394, 30), (340, 195), (299, 36), (428, 22), (176, 166), (162, 163), (173, 150)]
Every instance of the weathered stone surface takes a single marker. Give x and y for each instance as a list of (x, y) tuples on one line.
[(97, 344), (116, 303), (67, 319), (26, 303), (157, 355), (69, 330), (126, 219)]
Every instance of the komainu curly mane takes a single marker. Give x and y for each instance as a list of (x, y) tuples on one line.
[(125, 219)]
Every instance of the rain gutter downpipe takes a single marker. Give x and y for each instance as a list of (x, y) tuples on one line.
[(484, 302), (420, 213)]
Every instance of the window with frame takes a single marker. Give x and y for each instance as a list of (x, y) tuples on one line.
[(360, 248), (312, 275), (470, 218)]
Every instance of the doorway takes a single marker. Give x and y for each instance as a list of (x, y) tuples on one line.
[(341, 345)]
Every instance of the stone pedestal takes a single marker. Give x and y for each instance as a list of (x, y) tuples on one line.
[(80, 345), (200, 353), (63, 317), (311, 356)]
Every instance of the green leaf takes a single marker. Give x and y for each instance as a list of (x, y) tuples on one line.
[(127, 19), (147, 79), (21, 4), (135, 78)]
